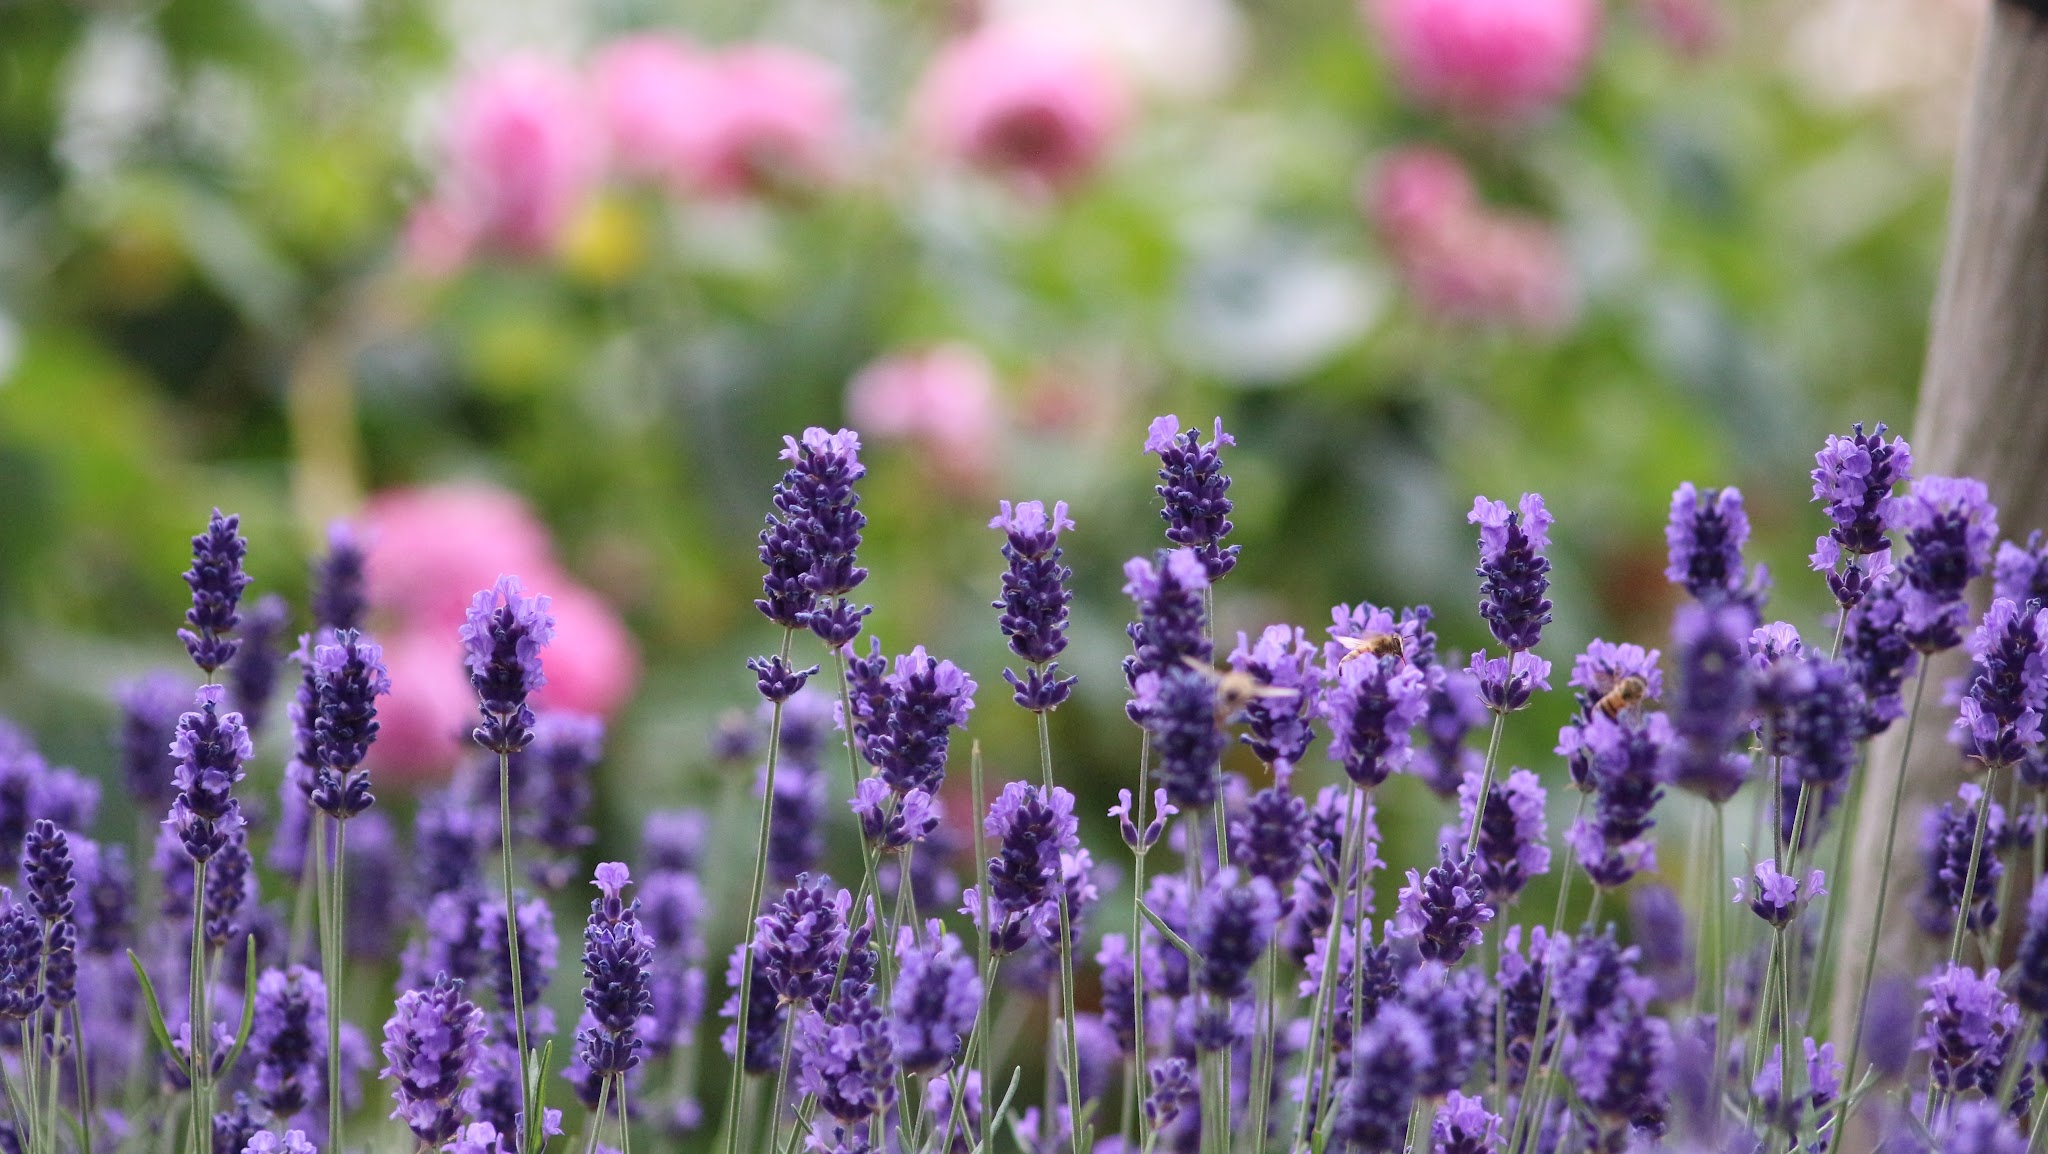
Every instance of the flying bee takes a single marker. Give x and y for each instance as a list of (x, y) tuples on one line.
[(1626, 694), (1372, 644), (1235, 690)]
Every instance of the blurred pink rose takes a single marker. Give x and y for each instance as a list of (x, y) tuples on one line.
[(522, 153), (1494, 59), (772, 117), (1462, 261), (1691, 29), (943, 399), (652, 93), (1026, 106), (430, 550), (438, 240)]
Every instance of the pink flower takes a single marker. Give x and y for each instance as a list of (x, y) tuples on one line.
[(1028, 107), (438, 240), (1462, 261), (429, 550), (943, 399), (651, 93), (772, 117), (1690, 29), (1493, 59), (522, 153)]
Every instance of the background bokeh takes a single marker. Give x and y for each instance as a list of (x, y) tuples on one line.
[(291, 256)]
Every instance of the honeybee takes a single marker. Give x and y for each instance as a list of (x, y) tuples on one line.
[(1626, 694), (1374, 644), (1235, 690)]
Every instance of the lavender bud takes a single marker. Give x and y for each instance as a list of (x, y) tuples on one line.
[(812, 537), (537, 952), (1270, 838), (217, 581), (109, 899), (348, 677), (1614, 681), (776, 679), (909, 726), (1282, 664), (1154, 829), (1980, 1128), (502, 634), (796, 837), (616, 957), (1620, 1070), (1625, 768), (1514, 574), (1947, 836), (449, 840), (672, 840), (766, 1013), (252, 675), (890, 823), (21, 956), (430, 1047), (1777, 897), (1818, 728), (1443, 761), (1169, 632), (1173, 1089), (291, 1142), (801, 937), (1708, 711), (1192, 487), (1230, 928), (1034, 601), (844, 1057), (235, 1128), (229, 890), (1879, 655), (565, 751)]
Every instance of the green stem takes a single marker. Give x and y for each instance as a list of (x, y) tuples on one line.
[(1718, 921), (79, 1072), (781, 1080), (1486, 775), (1526, 1125), (1884, 878), (336, 918), (1070, 1055), (988, 960), (625, 1122), (604, 1094), (512, 949), (1316, 1059), (1845, 836), (1144, 1073), (1955, 941), (746, 990)]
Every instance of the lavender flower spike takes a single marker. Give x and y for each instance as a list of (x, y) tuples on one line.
[(252, 675), (1705, 536), (1708, 709), (1514, 576), (1949, 524), (502, 635), (1034, 601), (1443, 911), (1463, 1125), (288, 1039), (1283, 664), (1373, 1104), (2008, 690), (1033, 832), (1778, 897), (1179, 710), (1374, 703), (1169, 631), (936, 996), (150, 706), (339, 598), (616, 958), (1192, 486), (210, 748), (1967, 1025), (217, 581), (1854, 477), (1513, 837), (431, 1045), (290, 1142), (812, 537), (348, 677)]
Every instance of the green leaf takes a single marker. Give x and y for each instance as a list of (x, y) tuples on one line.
[(156, 1015), (1003, 1111), (248, 1006), (1178, 942)]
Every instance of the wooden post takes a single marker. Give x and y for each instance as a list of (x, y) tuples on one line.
[(1983, 413)]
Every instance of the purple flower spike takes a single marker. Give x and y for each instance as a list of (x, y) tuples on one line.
[(844, 1058), (1035, 835), (1168, 633), (503, 635), (1443, 759), (1193, 487), (1374, 703), (1513, 837), (1161, 810), (1283, 665), (1947, 837), (289, 1040), (348, 677), (801, 938), (1463, 1125), (1967, 1023), (217, 581), (812, 537), (2020, 572), (909, 725), (1879, 654), (1819, 725), (616, 958), (1444, 910), (777, 680), (1373, 1103), (1777, 897), (430, 1047), (1705, 536), (1034, 601), (150, 706), (1271, 838), (936, 996), (1949, 524), (1709, 709), (252, 675), (2030, 985), (210, 748), (1981, 1128), (2001, 709), (1514, 576), (1179, 710), (890, 822), (339, 598), (290, 1142), (559, 764), (1230, 927), (1625, 768), (1854, 478), (1610, 680)]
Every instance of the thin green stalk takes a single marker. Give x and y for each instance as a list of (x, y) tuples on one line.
[(739, 1059), (2012, 809), (1500, 1023), (625, 1123), (1265, 1026), (1785, 1051), (512, 946), (1845, 836), (336, 918), (1539, 1054), (302, 908), (781, 1081), (1069, 1056), (988, 960), (604, 1096), (1316, 1061), (1717, 917), (1955, 941), (1884, 878), (84, 1082), (1144, 1073), (199, 1047), (1500, 718)]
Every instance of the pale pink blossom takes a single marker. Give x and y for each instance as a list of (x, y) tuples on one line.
[(773, 117), (1029, 107), (1462, 261), (429, 550), (943, 400), (522, 154), (438, 240), (653, 94), (1491, 59), (1691, 29)]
